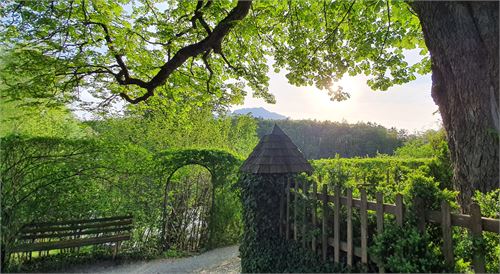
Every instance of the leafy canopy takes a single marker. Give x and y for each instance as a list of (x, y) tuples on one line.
[(205, 53)]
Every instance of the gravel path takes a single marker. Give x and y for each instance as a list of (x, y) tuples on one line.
[(221, 260)]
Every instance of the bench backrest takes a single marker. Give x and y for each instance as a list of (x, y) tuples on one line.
[(76, 228)]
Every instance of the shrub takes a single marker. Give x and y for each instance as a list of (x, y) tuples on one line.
[(404, 249)]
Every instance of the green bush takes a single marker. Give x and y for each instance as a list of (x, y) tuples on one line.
[(404, 249), (386, 174), (490, 207), (419, 184)]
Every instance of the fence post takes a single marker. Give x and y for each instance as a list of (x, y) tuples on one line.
[(287, 228), (399, 209), (447, 235), (313, 213), (349, 227), (324, 232), (295, 205), (477, 236), (419, 208), (364, 228), (336, 225), (304, 213), (380, 221)]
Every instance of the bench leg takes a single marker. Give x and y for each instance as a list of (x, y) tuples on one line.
[(115, 249)]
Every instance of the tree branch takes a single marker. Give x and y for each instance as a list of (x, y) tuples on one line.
[(212, 41), (210, 71), (123, 77), (325, 15), (228, 63), (198, 15), (387, 31), (336, 27)]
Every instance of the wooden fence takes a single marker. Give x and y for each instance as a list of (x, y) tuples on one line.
[(298, 225)]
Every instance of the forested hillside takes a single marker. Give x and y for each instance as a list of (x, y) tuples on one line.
[(325, 139)]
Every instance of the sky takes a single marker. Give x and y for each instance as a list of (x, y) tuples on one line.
[(409, 106)]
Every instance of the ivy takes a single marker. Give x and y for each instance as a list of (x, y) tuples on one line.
[(223, 167), (262, 249)]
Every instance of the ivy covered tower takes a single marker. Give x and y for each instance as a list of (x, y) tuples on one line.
[(275, 161)]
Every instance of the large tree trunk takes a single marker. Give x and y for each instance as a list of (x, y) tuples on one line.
[(462, 38)]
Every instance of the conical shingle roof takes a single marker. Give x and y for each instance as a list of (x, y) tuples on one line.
[(276, 154)]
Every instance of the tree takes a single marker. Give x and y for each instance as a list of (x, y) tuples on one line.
[(325, 139), (462, 38), (130, 49), (137, 49), (368, 38), (34, 118), (40, 177)]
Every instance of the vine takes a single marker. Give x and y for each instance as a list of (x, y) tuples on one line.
[(262, 248), (223, 167)]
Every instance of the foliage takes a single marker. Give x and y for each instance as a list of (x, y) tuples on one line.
[(466, 245), (490, 207), (221, 164), (204, 53), (404, 249), (430, 144), (99, 33), (138, 48), (419, 184), (48, 179), (174, 253), (375, 173), (415, 148), (262, 248), (224, 224), (188, 207), (387, 174), (39, 176), (159, 131), (39, 118), (114, 173), (425, 145), (412, 178), (259, 195), (61, 261)]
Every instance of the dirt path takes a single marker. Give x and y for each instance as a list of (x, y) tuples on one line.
[(218, 260)]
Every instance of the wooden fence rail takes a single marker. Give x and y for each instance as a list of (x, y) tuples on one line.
[(298, 226)]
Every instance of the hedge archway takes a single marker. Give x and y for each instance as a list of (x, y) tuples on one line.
[(223, 167)]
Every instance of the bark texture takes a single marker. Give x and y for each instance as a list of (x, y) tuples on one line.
[(463, 40)]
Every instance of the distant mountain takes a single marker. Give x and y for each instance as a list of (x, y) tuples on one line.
[(260, 113)]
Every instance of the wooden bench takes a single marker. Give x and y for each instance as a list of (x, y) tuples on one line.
[(76, 233)]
